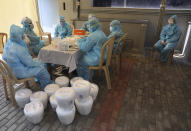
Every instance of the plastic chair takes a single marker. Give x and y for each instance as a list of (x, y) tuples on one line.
[(118, 52), (104, 65), (42, 33), (2, 41), (11, 79)]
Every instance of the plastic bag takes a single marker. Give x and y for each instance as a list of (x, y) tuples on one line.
[(65, 98), (66, 116), (62, 81), (40, 96), (94, 90), (51, 89), (73, 80), (22, 97), (53, 102), (82, 89), (84, 108), (34, 112)]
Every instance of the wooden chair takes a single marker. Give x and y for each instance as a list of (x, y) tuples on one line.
[(104, 65), (11, 79), (42, 33), (117, 52), (3, 41), (170, 58)]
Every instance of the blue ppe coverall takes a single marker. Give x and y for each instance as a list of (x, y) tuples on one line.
[(116, 30), (91, 47), (35, 43), (19, 60), (63, 29), (170, 35), (86, 25)]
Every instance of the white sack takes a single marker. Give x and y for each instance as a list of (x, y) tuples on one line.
[(22, 97), (94, 90), (74, 79), (62, 81), (65, 98), (40, 96), (66, 116), (51, 89), (34, 112), (84, 108), (53, 102), (82, 89)]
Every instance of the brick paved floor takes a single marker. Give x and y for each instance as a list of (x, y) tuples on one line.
[(146, 96)]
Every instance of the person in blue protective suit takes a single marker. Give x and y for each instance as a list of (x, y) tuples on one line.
[(116, 30), (91, 47), (35, 43), (86, 26), (63, 29), (17, 57), (168, 39)]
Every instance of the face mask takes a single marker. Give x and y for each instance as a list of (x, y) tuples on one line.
[(62, 22), (31, 26), (111, 29)]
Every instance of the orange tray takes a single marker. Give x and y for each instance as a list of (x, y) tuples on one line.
[(79, 32)]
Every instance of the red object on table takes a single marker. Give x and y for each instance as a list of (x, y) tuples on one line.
[(79, 32)]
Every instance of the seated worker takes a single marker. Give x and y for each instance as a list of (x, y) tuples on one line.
[(19, 60), (116, 30), (63, 29), (86, 26), (35, 43), (91, 47), (168, 39)]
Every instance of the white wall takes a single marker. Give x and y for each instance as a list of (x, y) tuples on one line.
[(49, 14)]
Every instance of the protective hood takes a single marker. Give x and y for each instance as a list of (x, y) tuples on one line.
[(175, 19)]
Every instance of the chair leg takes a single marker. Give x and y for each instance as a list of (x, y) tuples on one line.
[(5, 89), (118, 63), (90, 76), (107, 75), (34, 84), (12, 93), (49, 38), (26, 84)]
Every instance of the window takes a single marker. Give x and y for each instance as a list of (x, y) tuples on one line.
[(184, 4)]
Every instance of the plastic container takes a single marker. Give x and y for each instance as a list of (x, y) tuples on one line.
[(34, 112), (62, 81), (51, 89), (82, 89), (94, 91), (65, 98), (74, 79), (41, 97), (66, 117), (84, 108), (53, 102)]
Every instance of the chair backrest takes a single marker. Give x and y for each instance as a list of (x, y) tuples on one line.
[(6, 71), (3, 40), (39, 28), (121, 40), (107, 47)]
